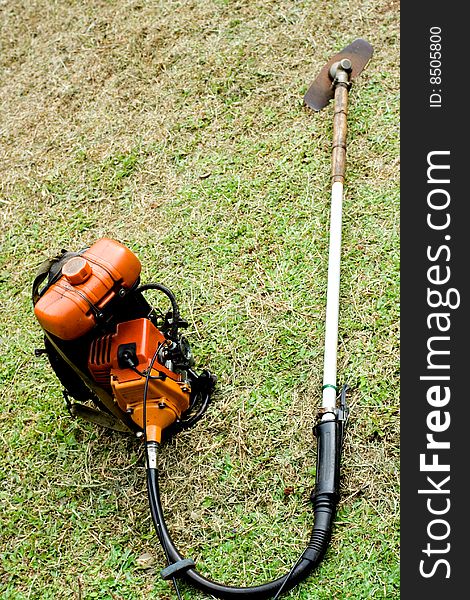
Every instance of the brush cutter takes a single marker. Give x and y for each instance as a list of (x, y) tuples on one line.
[(127, 366)]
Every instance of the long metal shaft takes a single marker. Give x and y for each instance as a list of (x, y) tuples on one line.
[(334, 257)]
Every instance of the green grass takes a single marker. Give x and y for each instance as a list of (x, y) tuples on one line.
[(179, 130)]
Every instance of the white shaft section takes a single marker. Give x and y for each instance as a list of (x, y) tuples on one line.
[(332, 298)]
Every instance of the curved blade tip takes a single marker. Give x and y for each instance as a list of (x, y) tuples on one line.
[(321, 91)]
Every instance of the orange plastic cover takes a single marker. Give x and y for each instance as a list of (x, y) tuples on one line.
[(167, 398), (88, 282)]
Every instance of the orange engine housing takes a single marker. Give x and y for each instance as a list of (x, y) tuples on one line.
[(88, 282), (168, 396)]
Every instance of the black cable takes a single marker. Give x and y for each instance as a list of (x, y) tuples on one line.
[(324, 499), (286, 579), (174, 305), (187, 423), (145, 373), (305, 564), (147, 458), (325, 496)]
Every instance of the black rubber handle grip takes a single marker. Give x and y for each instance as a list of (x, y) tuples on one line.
[(328, 459)]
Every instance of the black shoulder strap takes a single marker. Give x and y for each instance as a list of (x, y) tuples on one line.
[(51, 269)]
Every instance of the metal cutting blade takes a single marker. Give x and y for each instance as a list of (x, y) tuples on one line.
[(322, 91)]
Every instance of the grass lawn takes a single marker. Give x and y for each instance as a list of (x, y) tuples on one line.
[(178, 128)]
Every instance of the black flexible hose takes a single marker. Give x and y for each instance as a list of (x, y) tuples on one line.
[(162, 288), (186, 424), (324, 499)]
